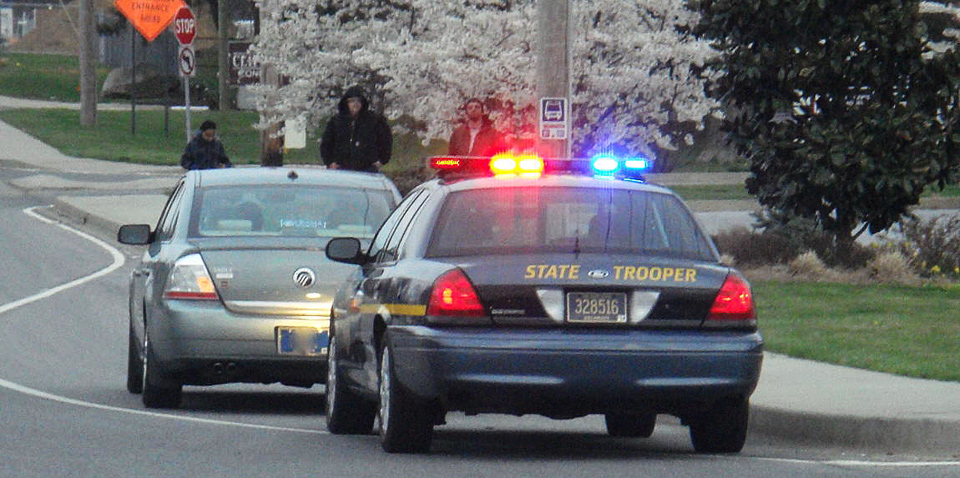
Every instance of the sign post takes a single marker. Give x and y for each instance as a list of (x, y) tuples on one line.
[(150, 18), (185, 28)]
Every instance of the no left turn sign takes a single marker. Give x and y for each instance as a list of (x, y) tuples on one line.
[(187, 61)]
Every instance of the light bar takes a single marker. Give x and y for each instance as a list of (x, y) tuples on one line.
[(530, 165)]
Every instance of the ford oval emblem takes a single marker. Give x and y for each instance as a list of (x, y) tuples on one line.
[(598, 274), (304, 277)]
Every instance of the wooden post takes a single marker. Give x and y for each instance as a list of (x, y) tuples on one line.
[(271, 143), (88, 65), (223, 58), (553, 65)]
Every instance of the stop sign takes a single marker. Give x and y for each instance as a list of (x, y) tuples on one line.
[(185, 26)]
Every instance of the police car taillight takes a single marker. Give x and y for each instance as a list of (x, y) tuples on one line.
[(733, 303), (454, 295), (189, 279)]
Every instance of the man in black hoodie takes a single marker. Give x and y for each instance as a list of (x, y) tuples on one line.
[(205, 151), (356, 138)]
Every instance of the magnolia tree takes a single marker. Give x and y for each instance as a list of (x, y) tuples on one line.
[(638, 75), (637, 71)]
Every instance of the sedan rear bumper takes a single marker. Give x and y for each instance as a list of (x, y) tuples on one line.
[(575, 372), (203, 343)]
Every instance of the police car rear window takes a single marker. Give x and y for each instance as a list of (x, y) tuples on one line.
[(538, 219)]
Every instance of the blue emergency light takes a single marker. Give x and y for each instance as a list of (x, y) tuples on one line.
[(606, 164)]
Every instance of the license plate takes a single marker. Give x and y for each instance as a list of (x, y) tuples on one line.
[(302, 341), (597, 307)]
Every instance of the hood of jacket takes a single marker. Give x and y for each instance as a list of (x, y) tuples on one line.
[(353, 92)]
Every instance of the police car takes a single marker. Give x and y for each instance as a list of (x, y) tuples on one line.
[(518, 285)]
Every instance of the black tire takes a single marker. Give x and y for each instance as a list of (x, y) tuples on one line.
[(723, 429), (157, 392), (631, 425), (134, 365), (347, 412), (406, 425)]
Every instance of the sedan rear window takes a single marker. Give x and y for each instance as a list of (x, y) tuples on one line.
[(302, 211), (533, 220)]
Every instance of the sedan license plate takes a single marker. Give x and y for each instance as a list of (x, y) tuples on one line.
[(302, 341), (597, 307)]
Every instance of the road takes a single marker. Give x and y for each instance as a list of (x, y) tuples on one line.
[(64, 411)]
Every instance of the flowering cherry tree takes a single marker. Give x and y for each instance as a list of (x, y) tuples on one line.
[(636, 68)]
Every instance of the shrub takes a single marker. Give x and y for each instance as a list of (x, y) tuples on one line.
[(808, 264), (803, 234), (749, 248), (932, 246), (892, 267)]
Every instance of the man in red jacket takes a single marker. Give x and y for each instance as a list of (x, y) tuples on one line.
[(476, 135)]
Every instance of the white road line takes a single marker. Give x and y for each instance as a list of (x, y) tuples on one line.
[(864, 463), (80, 403), (118, 261)]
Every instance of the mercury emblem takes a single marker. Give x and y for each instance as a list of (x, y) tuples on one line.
[(304, 277)]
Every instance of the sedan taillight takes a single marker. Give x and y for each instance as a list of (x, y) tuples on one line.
[(189, 279), (454, 295), (733, 304)]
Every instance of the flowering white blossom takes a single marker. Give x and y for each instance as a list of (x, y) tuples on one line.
[(951, 34), (634, 75)]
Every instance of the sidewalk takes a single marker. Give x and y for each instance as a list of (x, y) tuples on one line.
[(797, 400)]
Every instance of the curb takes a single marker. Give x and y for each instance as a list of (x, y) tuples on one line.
[(879, 434), (65, 212)]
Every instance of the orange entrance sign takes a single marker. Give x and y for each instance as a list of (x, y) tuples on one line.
[(149, 17)]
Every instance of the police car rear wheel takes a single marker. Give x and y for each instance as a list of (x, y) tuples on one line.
[(347, 412), (630, 425), (723, 429), (405, 425)]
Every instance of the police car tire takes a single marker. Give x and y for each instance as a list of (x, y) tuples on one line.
[(134, 365), (723, 429), (405, 424), (156, 392), (347, 412), (630, 425)]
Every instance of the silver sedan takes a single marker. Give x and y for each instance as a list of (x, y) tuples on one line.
[(234, 285)]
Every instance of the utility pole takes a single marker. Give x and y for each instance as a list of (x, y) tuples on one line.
[(553, 67), (271, 143), (88, 65), (223, 59)]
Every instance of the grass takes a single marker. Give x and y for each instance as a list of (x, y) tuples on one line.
[(739, 191), (45, 77), (712, 192), (909, 331), (112, 140)]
